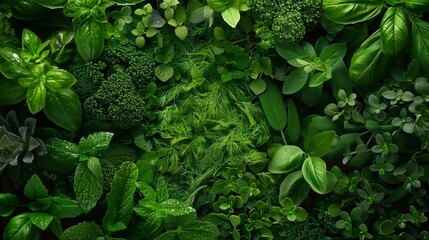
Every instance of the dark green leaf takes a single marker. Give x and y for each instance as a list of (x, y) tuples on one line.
[(291, 51), (8, 203), (394, 31), (84, 230), (169, 235), (89, 39), (55, 227), (35, 189), (20, 227), (420, 42), (295, 81), (41, 220), (62, 158), (88, 184), (95, 143), (294, 187), (340, 79), (311, 96), (286, 159), (387, 227), (161, 189), (64, 109), (333, 53), (320, 144), (293, 130), (198, 230), (120, 198), (64, 207), (11, 92), (417, 5), (352, 11), (51, 4), (273, 106)]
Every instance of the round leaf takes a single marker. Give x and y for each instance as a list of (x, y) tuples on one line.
[(258, 86), (314, 172), (286, 159), (164, 72), (181, 32), (64, 109)]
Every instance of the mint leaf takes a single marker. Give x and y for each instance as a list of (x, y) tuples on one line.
[(88, 184), (35, 189), (95, 143)]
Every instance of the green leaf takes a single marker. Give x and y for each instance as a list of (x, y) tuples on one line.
[(316, 80), (95, 143), (41, 220), (30, 40), (20, 227), (218, 5), (311, 96), (151, 226), (120, 198), (258, 86), (164, 72), (83, 230), (11, 92), (88, 184), (201, 230), (35, 189), (12, 66), (286, 159), (320, 144), (231, 16), (333, 53), (292, 51), (64, 207), (64, 109), (62, 158), (420, 42), (394, 31), (36, 97), (59, 80), (352, 11), (169, 235), (294, 187), (55, 227), (8, 204), (293, 130), (340, 79), (51, 4), (273, 106), (369, 64), (418, 6), (89, 39), (295, 81), (314, 172), (387, 227), (161, 189)]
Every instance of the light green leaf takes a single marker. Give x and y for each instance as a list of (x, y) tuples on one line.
[(394, 31), (120, 198), (35, 189), (352, 11), (12, 66), (59, 80), (88, 184), (30, 40), (95, 143), (83, 230), (41, 220), (231, 16), (164, 72), (286, 159), (20, 227), (36, 97), (258, 86), (314, 172), (333, 53), (218, 5), (181, 32)]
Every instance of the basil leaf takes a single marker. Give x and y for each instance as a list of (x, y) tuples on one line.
[(95, 143), (64, 109), (59, 80), (127, 2), (394, 31), (420, 42), (320, 143), (55, 227), (315, 174), (11, 92), (20, 227), (30, 40), (11, 64), (36, 97), (8, 203), (120, 198), (286, 159), (418, 6), (84, 230), (292, 51), (352, 11), (89, 39), (64, 207), (41, 220), (273, 106), (58, 45), (88, 183), (294, 187), (368, 63), (51, 4), (35, 189), (333, 53)]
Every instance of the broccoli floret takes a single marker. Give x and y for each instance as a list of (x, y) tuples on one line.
[(89, 75), (116, 100), (109, 171), (309, 229), (284, 20)]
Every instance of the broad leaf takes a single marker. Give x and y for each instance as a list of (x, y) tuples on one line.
[(84, 230), (88, 184), (198, 230), (273, 106), (36, 97), (320, 144), (420, 42), (64, 207), (218, 5), (64, 109), (120, 198), (418, 6), (286, 159), (59, 80), (8, 204), (51, 4), (333, 53), (315, 174), (231, 16), (161, 189), (11, 92), (89, 39), (127, 2), (394, 31), (295, 81), (11, 64), (292, 51), (294, 187), (95, 143), (35, 189), (352, 11), (41, 220), (62, 159), (340, 79), (30, 40), (20, 227), (164, 72)]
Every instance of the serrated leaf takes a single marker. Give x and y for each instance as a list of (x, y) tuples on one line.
[(84, 230), (120, 198), (35, 189), (88, 184), (95, 143)]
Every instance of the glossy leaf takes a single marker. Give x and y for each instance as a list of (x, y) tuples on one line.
[(88, 184), (420, 42), (418, 6), (294, 187), (62, 158), (352, 11), (333, 53), (59, 45), (320, 144), (36, 97), (35, 189), (20, 227), (30, 40), (59, 80), (273, 106), (64, 109), (120, 198), (8, 204), (315, 174), (83, 230), (41, 220), (368, 63), (11, 64), (95, 143), (218, 5), (51, 4), (286, 159), (394, 31), (295, 81), (89, 39), (11, 92)]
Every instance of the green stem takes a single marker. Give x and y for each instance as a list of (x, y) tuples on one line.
[(283, 137)]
